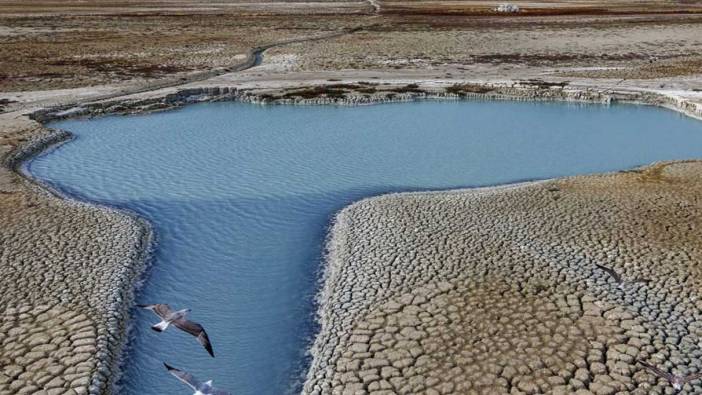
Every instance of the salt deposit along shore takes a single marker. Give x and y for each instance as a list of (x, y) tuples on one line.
[(69, 269)]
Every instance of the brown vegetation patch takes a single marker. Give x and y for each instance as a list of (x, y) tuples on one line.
[(51, 44), (119, 66), (463, 89), (331, 91), (652, 68), (409, 88), (555, 58), (336, 91), (68, 51), (543, 84)]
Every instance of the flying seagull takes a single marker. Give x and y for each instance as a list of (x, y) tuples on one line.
[(177, 318), (199, 387), (678, 382), (617, 278)]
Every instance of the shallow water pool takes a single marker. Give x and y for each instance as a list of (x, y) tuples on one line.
[(241, 197)]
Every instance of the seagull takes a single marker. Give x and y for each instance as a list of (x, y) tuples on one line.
[(617, 278), (177, 318), (678, 382), (199, 387)]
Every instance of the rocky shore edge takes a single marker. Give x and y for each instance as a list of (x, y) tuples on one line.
[(112, 342), (366, 93)]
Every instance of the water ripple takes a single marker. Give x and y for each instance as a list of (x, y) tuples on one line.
[(241, 196)]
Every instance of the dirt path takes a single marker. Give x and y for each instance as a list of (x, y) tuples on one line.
[(253, 58)]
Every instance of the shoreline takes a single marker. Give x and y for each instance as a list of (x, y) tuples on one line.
[(112, 351), (122, 300), (392, 93)]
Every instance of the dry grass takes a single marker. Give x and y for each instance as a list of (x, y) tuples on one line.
[(650, 69), (67, 44), (502, 43), (42, 52)]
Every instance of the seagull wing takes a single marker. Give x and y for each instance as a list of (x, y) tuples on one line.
[(196, 330), (656, 371), (161, 310), (185, 377), (692, 377), (611, 272)]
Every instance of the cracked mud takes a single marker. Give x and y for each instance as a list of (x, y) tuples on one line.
[(496, 290)]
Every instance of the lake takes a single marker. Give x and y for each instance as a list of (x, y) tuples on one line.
[(241, 197)]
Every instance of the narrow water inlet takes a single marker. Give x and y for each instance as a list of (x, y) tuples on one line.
[(241, 196)]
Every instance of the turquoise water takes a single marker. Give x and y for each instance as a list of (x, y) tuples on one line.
[(241, 197)]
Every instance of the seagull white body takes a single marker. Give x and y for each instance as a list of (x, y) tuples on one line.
[(176, 315), (201, 388), (206, 386)]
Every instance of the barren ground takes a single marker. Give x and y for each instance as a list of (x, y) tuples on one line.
[(496, 290), (50, 45)]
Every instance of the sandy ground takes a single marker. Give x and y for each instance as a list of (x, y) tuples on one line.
[(68, 269)]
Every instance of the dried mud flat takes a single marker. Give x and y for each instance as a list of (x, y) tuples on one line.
[(495, 290), (67, 273)]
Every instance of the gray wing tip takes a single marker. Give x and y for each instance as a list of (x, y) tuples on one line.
[(693, 377), (607, 269), (658, 372), (205, 341), (169, 367), (610, 271)]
